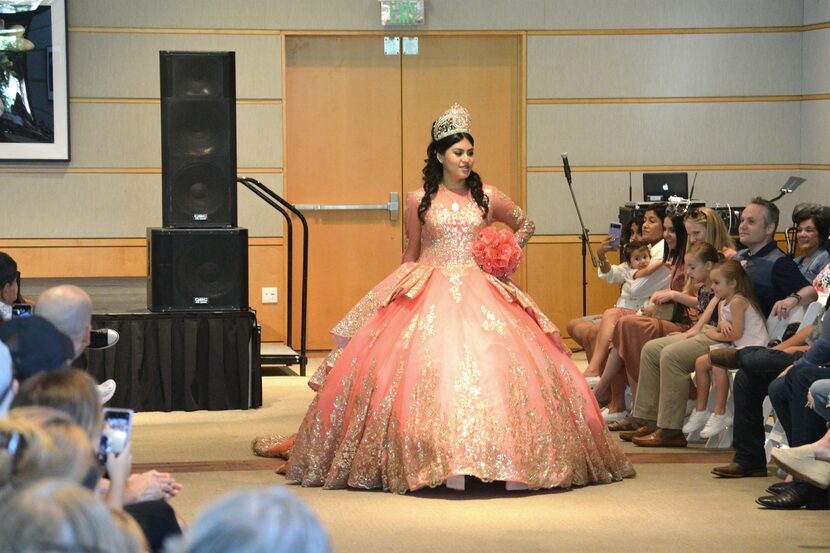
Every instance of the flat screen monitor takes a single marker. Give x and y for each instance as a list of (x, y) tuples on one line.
[(658, 187)]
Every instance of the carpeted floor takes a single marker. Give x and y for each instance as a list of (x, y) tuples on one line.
[(674, 504)]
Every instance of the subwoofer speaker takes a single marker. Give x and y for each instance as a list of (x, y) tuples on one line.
[(197, 269), (198, 139)]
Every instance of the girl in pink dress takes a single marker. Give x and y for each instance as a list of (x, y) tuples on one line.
[(444, 370)]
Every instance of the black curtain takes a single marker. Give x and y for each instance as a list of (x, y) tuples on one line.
[(181, 361)]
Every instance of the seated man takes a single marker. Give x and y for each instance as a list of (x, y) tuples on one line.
[(35, 346), (788, 394), (810, 462), (665, 363), (69, 308)]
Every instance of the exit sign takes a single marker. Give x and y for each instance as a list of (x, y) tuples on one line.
[(402, 12)]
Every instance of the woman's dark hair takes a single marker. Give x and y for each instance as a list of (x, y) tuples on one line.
[(659, 209), (434, 171), (676, 256), (626, 231), (8, 269), (819, 216)]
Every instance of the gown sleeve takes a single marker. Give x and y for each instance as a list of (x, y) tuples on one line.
[(505, 211), (412, 228)]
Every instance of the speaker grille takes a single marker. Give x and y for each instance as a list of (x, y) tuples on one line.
[(197, 269), (197, 75), (198, 124)]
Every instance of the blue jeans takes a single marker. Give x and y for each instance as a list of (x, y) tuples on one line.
[(820, 390), (788, 395)]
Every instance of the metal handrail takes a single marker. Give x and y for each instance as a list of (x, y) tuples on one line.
[(270, 197)]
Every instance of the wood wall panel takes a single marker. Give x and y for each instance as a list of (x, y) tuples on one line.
[(80, 258), (554, 280)]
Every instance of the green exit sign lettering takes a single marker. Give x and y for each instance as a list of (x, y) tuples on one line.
[(401, 12)]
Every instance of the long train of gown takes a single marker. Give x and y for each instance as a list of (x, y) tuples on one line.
[(444, 370)]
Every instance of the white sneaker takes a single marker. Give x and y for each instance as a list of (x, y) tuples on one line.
[(613, 417), (697, 420), (715, 425), (106, 390), (690, 406)]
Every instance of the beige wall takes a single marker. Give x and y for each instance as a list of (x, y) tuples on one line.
[(624, 86)]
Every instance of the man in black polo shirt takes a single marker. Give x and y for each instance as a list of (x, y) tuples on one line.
[(780, 288)]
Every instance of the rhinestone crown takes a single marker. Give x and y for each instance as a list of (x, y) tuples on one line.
[(455, 120)]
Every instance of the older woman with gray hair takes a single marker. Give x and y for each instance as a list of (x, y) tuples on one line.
[(270, 520)]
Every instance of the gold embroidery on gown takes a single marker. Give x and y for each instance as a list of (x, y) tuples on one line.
[(443, 370)]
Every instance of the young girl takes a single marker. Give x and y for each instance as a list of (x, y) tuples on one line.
[(741, 323)]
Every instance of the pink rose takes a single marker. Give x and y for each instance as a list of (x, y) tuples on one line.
[(497, 252)]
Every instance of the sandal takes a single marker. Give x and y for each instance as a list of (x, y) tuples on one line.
[(625, 424)]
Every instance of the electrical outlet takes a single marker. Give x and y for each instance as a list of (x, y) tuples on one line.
[(269, 295)]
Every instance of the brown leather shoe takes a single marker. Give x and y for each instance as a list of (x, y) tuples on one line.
[(734, 470), (725, 357), (658, 438), (630, 434)]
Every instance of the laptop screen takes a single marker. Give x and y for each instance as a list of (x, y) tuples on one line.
[(658, 187)]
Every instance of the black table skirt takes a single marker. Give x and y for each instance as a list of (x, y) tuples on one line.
[(181, 361)]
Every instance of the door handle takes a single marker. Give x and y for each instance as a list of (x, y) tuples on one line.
[(392, 206)]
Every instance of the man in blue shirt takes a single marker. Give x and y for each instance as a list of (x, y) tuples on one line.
[(780, 288)]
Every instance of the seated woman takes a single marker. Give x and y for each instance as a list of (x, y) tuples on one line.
[(590, 335), (9, 286), (613, 380), (705, 225), (811, 228), (59, 515), (583, 330), (702, 225)]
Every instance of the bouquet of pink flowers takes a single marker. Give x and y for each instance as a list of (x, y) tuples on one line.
[(497, 251)]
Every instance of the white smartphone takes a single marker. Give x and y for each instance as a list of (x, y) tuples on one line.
[(115, 434), (615, 230)]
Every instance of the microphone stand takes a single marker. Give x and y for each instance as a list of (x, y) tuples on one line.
[(586, 244)]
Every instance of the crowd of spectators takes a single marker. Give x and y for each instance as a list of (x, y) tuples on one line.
[(659, 348), (60, 492)]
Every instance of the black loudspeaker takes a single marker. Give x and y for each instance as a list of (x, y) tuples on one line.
[(198, 139), (197, 269)]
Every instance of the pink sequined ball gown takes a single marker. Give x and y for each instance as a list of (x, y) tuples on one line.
[(444, 370)]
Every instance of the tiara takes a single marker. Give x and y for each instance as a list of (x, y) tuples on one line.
[(455, 120)]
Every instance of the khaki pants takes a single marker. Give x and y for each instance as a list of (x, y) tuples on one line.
[(663, 388)]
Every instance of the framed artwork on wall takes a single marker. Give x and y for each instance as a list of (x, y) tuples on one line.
[(34, 91)]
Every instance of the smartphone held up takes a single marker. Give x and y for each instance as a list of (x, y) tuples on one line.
[(615, 230), (115, 434)]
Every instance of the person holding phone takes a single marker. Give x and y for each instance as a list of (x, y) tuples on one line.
[(9, 286), (594, 332)]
